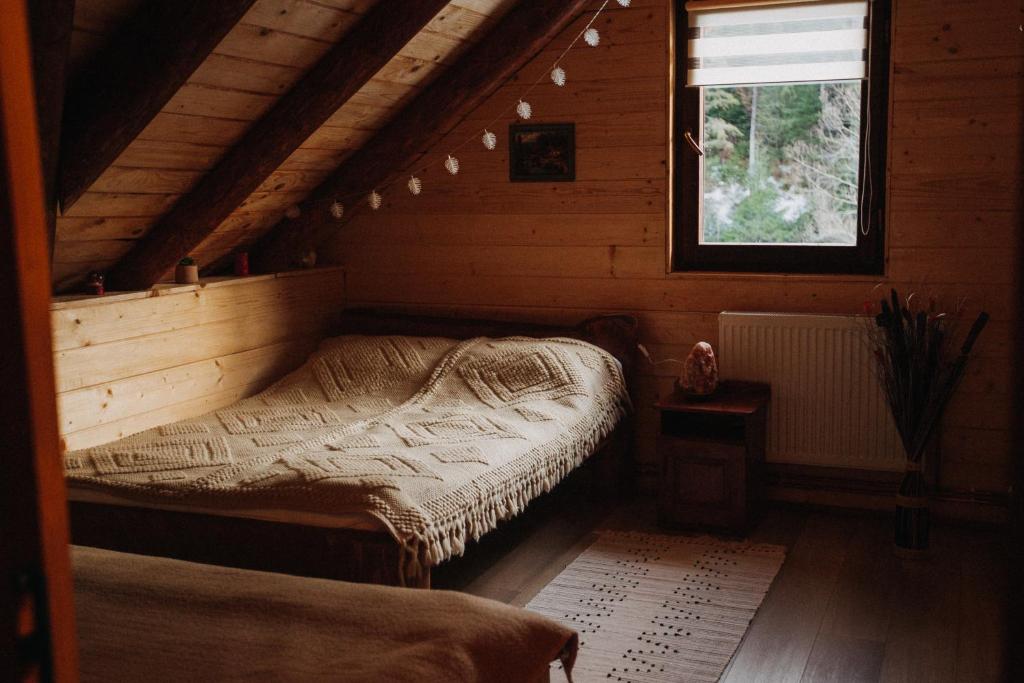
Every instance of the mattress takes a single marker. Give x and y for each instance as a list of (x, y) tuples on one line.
[(361, 521)]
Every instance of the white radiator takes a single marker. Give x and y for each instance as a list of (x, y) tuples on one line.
[(827, 407)]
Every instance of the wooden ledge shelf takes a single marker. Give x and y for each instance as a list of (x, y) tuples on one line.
[(163, 289)]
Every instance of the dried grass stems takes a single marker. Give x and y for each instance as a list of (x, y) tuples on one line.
[(918, 363)]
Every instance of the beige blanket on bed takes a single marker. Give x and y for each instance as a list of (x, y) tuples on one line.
[(438, 439), (153, 619)]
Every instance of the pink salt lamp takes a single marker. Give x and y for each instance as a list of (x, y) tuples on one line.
[(700, 371)]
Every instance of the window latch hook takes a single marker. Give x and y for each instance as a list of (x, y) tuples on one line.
[(688, 136)]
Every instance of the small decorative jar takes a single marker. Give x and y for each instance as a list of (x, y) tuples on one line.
[(94, 284), (186, 272)]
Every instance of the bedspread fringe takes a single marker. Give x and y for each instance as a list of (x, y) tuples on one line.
[(440, 542)]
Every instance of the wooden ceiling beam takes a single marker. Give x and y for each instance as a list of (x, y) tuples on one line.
[(368, 46), (492, 61), (132, 78), (51, 23)]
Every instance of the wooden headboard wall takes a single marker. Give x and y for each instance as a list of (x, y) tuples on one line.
[(129, 362), (616, 334), (126, 363)]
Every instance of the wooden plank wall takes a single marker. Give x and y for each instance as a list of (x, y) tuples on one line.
[(476, 244), (259, 60), (134, 361)]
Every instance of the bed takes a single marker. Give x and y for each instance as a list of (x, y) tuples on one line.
[(399, 442), (157, 619)]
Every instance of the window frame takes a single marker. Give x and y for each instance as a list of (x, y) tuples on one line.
[(868, 257)]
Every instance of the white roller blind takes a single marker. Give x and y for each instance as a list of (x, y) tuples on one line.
[(776, 42)]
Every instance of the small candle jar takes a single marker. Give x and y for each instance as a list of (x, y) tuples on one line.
[(94, 284), (242, 263)]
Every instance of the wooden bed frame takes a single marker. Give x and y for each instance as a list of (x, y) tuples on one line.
[(338, 553)]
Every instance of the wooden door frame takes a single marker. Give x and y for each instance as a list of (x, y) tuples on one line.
[(1017, 498), (37, 634)]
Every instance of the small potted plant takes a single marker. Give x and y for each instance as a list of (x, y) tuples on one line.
[(186, 272)]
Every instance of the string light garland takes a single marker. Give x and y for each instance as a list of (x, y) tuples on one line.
[(522, 108)]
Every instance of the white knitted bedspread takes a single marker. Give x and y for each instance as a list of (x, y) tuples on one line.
[(439, 439)]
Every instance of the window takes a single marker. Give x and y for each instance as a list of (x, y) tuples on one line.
[(780, 123)]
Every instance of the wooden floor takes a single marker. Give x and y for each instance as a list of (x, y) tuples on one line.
[(843, 607)]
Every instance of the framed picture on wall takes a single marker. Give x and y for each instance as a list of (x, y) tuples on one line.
[(542, 152)]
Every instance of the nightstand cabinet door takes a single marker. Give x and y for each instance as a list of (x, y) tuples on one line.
[(703, 484)]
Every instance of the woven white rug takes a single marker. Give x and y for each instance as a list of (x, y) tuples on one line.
[(652, 608)]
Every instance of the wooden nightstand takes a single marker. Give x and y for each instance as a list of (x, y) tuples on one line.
[(711, 452)]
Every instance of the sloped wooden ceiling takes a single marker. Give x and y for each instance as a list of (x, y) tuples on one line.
[(259, 60)]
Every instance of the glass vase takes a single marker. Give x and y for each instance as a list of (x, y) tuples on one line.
[(912, 519)]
